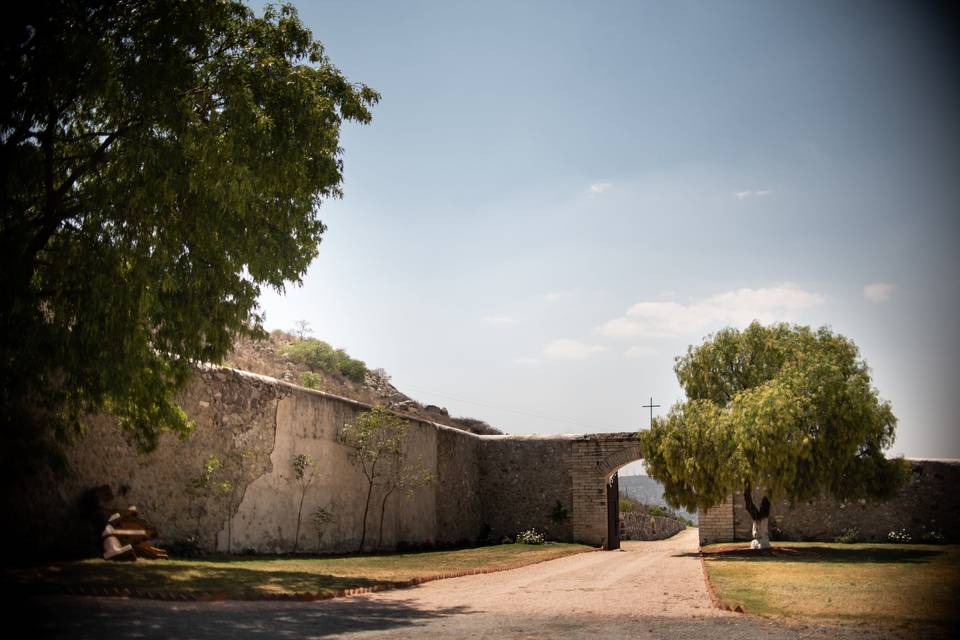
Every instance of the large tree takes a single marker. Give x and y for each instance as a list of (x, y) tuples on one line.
[(160, 162), (778, 412)]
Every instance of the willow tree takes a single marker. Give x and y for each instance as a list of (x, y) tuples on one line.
[(778, 412), (160, 162)]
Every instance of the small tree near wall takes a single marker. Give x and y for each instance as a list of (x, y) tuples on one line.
[(304, 473), (377, 440)]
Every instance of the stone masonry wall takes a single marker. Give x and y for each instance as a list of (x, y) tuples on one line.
[(716, 524), (522, 479), (929, 501), (640, 526)]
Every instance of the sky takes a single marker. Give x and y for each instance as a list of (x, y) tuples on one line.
[(554, 200)]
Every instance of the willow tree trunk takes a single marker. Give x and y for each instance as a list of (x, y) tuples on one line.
[(761, 519)]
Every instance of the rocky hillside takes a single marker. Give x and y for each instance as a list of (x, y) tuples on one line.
[(648, 491), (267, 357)]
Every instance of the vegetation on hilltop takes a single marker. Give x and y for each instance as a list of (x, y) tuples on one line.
[(317, 365)]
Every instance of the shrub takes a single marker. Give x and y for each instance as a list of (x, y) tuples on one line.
[(320, 356), (932, 537), (849, 536), (657, 510), (311, 380), (899, 537), (188, 547), (559, 514), (531, 536), (626, 506)]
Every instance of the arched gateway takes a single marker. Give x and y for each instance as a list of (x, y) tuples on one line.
[(560, 484)]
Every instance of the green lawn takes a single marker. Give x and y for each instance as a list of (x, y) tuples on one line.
[(259, 576), (869, 583)]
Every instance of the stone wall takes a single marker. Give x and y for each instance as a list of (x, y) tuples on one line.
[(523, 478), (640, 526), (255, 425), (929, 501)]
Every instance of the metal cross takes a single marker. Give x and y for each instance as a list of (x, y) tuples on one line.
[(651, 406)]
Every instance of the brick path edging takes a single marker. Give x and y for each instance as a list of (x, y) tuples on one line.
[(174, 596), (714, 600)]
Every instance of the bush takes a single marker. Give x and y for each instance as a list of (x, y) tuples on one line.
[(531, 536), (626, 505), (320, 356), (899, 537), (311, 380), (932, 537), (849, 536), (188, 547)]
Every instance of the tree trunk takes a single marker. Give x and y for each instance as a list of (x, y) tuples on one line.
[(383, 509), (296, 537), (366, 510), (760, 517)]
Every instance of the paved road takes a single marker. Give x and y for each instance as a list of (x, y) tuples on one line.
[(647, 590)]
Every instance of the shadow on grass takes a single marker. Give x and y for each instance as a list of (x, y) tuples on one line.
[(786, 553), (232, 581), (62, 617)]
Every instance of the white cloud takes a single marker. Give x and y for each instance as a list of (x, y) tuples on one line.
[(499, 321), (571, 350), (639, 352), (557, 296), (599, 187), (758, 193), (878, 291), (738, 307), (525, 361)]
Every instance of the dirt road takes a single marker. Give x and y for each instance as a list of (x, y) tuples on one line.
[(647, 590)]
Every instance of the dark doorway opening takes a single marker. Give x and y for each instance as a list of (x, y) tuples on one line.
[(613, 514)]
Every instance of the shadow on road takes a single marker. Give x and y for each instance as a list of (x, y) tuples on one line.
[(97, 618)]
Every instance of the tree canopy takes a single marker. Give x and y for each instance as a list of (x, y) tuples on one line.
[(786, 411), (161, 161)]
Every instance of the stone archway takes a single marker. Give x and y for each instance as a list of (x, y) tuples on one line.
[(596, 458)]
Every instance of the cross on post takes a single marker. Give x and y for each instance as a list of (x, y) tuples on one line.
[(651, 406)]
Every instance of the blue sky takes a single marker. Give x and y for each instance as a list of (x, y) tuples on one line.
[(555, 199)]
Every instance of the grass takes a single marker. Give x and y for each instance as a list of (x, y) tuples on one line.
[(860, 583), (258, 577)]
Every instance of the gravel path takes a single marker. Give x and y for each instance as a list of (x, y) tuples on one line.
[(646, 590)]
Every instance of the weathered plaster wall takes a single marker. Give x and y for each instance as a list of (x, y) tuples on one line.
[(255, 425), (307, 423), (929, 501)]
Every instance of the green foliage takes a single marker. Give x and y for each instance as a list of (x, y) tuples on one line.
[(530, 536), (311, 380), (318, 355), (657, 510), (302, 466), (559, 514), (932, 537), (376, 439), (850, 535), (626, 505), (321, 519), (304, 474), (787, 410), (160, 163)]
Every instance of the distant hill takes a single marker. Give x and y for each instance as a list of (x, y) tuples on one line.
[(650, 492)]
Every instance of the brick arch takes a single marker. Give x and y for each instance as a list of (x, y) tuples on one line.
[(596, 457), (612, 463)]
